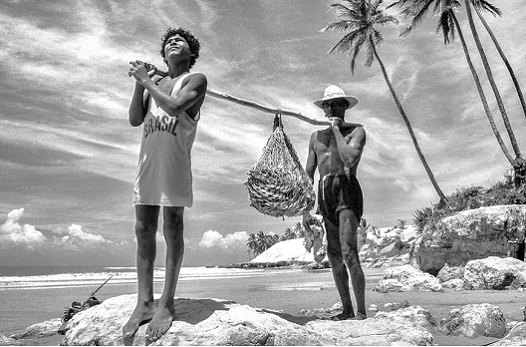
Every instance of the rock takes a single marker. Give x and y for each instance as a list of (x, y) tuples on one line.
[(494, 273), (380, 331), (467, 235), (448, 273), (388, 285), (221, 322), (455, 283), (475, 320), (417, 315), (407, 278), (7, 341), (515, 337), (47, 328)]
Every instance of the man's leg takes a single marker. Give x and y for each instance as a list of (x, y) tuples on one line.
[(145, 229), (173, 236), (349, 241), (339, 270)]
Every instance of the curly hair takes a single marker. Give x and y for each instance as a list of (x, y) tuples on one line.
[(193, 42)]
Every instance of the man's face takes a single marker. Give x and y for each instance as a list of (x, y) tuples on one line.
[(335, 108), (177, 45)]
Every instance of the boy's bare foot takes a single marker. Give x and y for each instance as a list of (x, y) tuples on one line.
[(142, 313), (161, 322)]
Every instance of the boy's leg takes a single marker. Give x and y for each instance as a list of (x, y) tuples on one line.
[(173, 236), (146, 218)]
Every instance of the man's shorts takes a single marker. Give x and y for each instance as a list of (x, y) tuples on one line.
[(337, 193)]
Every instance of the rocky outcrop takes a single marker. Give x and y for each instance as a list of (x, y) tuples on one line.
[(407, 278), (474, 321), (219, 322), (468, 235)]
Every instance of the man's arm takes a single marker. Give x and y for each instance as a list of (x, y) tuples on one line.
[(351, 146), (310, 168), (312, 162)]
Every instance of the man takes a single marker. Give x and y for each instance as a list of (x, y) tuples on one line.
[(336, 152), (169, 110)]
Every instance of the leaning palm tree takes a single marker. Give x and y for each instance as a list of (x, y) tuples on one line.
[(449, 25), (505, 60), (359, 18), (481, 4)]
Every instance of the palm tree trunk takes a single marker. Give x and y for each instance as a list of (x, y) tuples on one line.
[(481, 93), (443, 199), (505, 60), (492, 80)]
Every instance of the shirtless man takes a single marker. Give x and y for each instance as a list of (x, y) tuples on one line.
[(336, 152), (169, 109)]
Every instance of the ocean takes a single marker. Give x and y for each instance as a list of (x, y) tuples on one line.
[(34, 294)]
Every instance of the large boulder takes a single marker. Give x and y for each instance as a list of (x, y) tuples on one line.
[(468, 235), (219, 322), (494, 273), (407, 278), (474, 321)]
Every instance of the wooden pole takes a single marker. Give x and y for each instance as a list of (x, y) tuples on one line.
[(265, 109), (283, 112)]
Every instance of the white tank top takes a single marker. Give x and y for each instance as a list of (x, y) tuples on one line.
[(164, 175)]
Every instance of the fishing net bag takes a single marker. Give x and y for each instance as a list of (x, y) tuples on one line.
[(278, 185)]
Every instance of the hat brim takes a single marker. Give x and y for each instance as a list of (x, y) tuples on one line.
[(351, 99)]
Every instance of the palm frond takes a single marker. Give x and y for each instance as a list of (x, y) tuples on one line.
[(483, 5)]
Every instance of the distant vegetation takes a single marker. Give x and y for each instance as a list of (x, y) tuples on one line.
[(501, 193), (261, 241)]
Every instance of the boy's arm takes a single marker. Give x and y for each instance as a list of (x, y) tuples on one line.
[(193, 90)]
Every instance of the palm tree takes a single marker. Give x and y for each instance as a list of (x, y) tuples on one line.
[(252, 243), (505, 60), (360, 17), (485, 5), (449, 23)]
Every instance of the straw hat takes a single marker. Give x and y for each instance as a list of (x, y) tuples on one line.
[(335, 92)]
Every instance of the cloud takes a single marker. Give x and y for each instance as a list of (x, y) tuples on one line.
[(214, 239), (78, 239), (12, 232)]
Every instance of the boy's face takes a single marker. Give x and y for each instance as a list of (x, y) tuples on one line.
[(177, 45)]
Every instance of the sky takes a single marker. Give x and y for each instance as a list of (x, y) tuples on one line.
[(68, 155)]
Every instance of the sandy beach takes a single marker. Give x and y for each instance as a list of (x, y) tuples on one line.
[(292, 290)]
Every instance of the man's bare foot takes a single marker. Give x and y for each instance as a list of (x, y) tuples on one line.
[(342, 316), (142, 313), (161, 322), (359, 316)]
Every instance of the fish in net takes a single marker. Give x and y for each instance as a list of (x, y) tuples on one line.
[(278, 185)]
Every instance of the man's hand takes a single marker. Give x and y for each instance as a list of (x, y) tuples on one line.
[(142, 72), (336, 123), (308, 219)]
